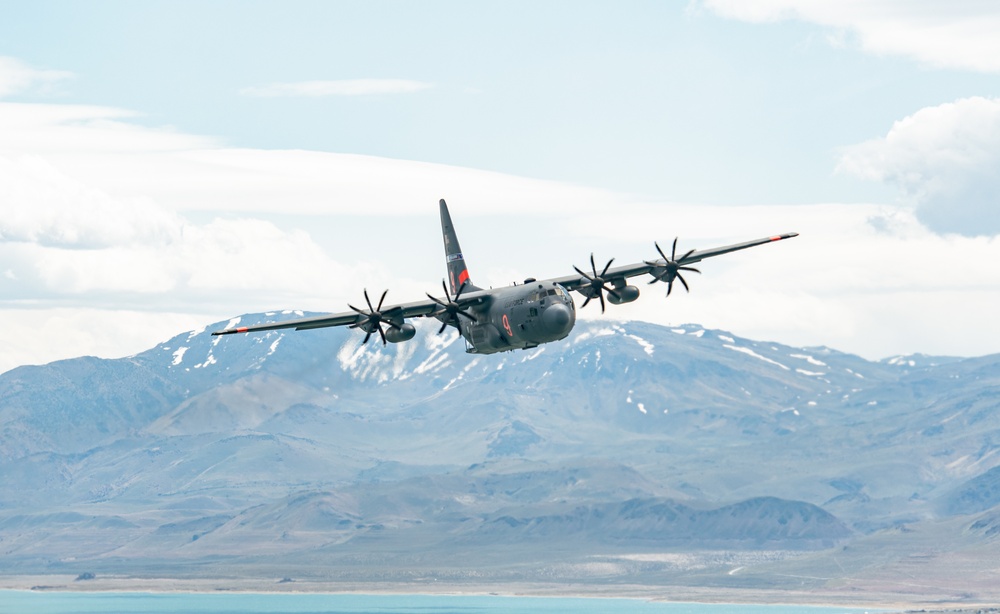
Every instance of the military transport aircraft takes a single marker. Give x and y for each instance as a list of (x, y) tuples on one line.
[(521, 316)]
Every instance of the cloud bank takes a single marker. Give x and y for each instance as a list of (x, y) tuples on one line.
[(115, 236), (16, 77), (945, 160), (959, 34)]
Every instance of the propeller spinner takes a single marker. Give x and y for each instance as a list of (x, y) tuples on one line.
[(670, 268), (597, 285), (373, 319), (453, 308)]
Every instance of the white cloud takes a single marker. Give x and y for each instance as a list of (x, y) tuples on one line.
[(112, 240), (859, 278), (344, 87), (16, 77), (42, 205), (945, 160), (958, 34), (96, 146)]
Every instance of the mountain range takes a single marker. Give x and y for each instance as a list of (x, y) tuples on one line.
[(629, 453)]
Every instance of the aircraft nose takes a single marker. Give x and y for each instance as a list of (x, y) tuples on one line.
[(557, 319)]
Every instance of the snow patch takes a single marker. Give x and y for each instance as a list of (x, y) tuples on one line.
[(601, 332), (679, 331), (178, 356), (350, 353), (533, 355), (810, 360), (697, 333), (812, 373), (641, 407), (232, 324), (434, 361), (646, 346), (208, 361), (727, 339), (750, 352), (274, 346)]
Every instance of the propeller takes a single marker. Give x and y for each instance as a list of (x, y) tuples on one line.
[(373, 318), (598, 285), (670, 269), (453, 308)]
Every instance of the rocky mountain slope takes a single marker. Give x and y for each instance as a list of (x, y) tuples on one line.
[(310, 454)]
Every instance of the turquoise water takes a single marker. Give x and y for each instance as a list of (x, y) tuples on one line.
[(35, 602)]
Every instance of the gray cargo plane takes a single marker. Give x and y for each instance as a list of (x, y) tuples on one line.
[(517, 317)]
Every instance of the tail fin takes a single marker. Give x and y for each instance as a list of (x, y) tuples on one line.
[(458, 273)]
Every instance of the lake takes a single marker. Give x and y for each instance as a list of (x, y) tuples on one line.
[(44, 602)]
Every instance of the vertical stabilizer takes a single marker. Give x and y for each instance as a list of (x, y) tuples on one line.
[(458, 273)]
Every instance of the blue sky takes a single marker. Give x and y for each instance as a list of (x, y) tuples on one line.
[(665, 99), (142, 124)]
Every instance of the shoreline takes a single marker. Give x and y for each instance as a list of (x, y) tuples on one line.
[(887, 602)]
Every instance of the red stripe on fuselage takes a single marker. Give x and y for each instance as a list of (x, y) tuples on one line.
[(242, 329)]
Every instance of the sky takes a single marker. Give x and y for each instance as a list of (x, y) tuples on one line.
[(168, 165)]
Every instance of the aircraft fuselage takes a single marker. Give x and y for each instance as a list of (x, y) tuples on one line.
[(519, 317)]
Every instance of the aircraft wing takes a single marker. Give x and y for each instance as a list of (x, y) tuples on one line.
[(392, 313), (699, 255), (573, 282)]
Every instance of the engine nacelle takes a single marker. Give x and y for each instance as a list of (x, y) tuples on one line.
[(405, 332), (627, 294)]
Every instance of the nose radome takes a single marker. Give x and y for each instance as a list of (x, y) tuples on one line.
[(557, 318)]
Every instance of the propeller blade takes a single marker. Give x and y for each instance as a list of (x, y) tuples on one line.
[(381, 333), (367, 336), (673, 251), (381, 300), (680, 277), (664, 256), (606, 267), (600, 295)]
